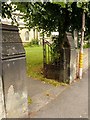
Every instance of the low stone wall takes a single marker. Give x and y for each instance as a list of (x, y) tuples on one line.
[(86, 61)]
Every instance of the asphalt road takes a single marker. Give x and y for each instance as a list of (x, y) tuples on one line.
[(72, 103)]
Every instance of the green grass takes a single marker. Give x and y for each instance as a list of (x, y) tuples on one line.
[(34, 59)]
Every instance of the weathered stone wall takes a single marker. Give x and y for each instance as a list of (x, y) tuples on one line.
[(86, 59), (2, 109), (13, 73), (69, 58), (73, 64)]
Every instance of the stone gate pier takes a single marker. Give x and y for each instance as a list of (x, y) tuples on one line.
[(13, 92)]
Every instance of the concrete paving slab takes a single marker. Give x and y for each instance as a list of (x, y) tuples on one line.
[(41, 94)]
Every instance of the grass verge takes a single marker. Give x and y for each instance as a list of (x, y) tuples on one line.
[(34, 61)]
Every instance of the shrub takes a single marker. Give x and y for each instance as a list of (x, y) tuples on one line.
[(87, 45), (34, 42), (26, 44)]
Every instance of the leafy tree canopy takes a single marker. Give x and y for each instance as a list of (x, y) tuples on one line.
[(6, 10), (55, 16)]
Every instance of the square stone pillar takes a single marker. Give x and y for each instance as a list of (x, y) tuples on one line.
[(2, 104), (68, 59), (13, 73)]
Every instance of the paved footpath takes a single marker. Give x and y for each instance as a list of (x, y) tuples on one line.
[(70, 102), (41, 94)]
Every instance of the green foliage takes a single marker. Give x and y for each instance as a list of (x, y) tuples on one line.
[(47, 16), (63, 4), (6, 10), (29, 100), (50, 16), (55, 53), (83, 5), (55, 16), (87, 45), (26, 44), (34, 42)]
